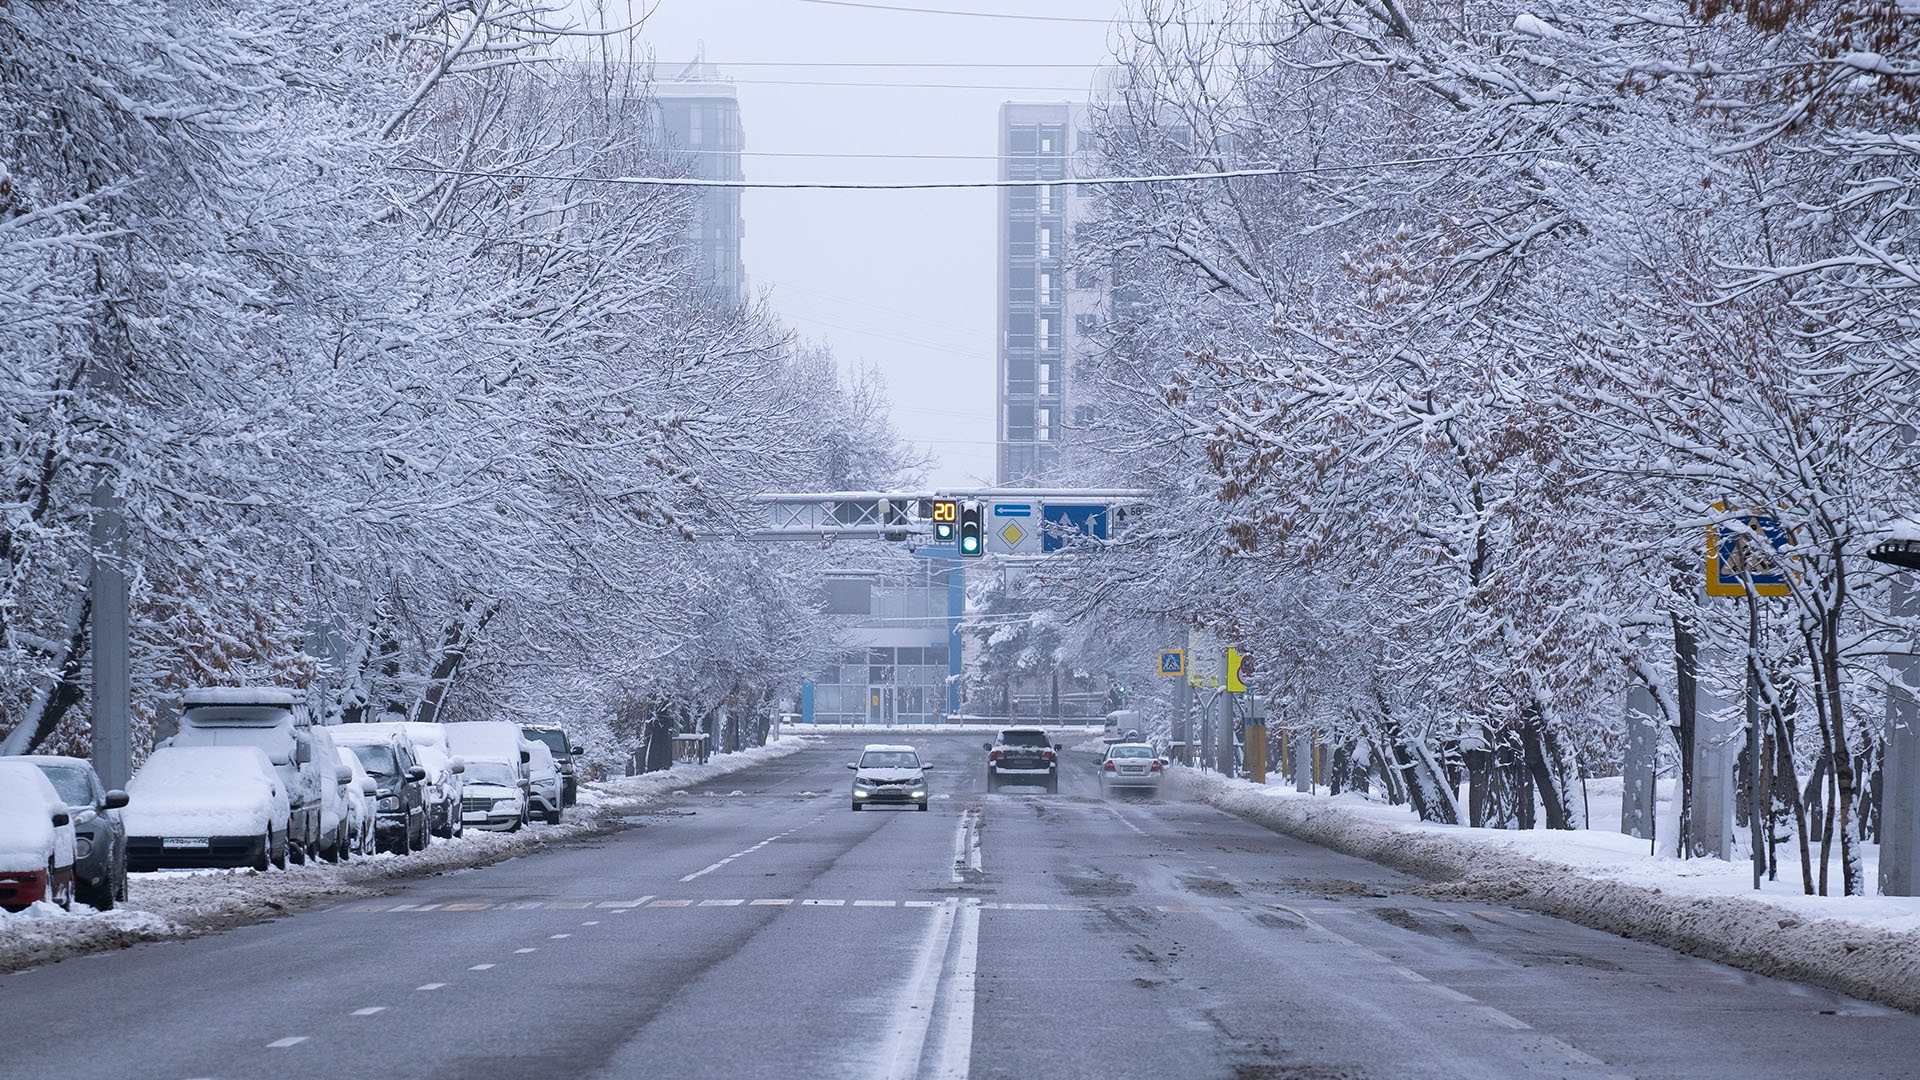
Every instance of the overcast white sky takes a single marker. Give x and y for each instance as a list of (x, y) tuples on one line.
[(900, 280)]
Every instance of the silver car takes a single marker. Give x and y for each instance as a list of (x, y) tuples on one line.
[(1131, 765)]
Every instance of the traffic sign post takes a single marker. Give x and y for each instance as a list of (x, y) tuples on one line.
[(1173, 662)]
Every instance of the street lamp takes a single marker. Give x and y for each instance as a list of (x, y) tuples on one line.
[(1900, 797)]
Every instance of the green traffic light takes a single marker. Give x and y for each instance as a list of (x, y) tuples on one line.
[(970, 544)]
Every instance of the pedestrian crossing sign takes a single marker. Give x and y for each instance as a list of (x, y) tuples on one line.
[(1173, 662)]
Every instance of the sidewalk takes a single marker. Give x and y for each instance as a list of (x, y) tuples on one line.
[(1867, 946)]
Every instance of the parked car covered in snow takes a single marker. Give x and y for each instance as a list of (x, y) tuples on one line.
[(444, 771), (279, 722), (544, 786), (195, 806), (36, 839), (565, 755), (361, 794), (494, 796), (99, 833), (400, 824)]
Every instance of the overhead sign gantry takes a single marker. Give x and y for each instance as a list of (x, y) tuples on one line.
[(972, 523)]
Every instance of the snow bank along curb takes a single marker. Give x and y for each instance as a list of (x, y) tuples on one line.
[(170, 906), (1873, 964)]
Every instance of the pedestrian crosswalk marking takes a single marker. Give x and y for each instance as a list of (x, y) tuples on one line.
[(771, 903), (873, 903), (721, 903), (671, 903)]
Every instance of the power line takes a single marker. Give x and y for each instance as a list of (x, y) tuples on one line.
[(899, 9), (952, 185)]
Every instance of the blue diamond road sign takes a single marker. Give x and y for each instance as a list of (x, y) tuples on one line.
[(1173, 661)]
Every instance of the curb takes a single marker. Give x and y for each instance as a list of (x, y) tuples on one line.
[(1880, 966)]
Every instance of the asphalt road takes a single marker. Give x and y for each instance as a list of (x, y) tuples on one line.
[(756, 927)]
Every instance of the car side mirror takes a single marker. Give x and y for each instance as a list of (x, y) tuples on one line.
[(576, 751), (986, 746), (457, 767), (416, 773), (115, 800), (525, 757), (303, 752), (368, 787), (851, 765), (1057, 746), (342, 775), (926, 768), (60, 818)]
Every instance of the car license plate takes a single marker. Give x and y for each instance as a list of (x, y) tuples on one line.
[(199, 842)]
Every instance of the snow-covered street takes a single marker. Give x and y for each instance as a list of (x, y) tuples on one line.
[(1002, 935)]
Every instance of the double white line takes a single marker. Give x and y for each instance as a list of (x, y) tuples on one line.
[(966, 846), (942, 986)]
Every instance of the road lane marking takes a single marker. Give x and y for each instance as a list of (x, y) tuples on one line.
[(823, 903), (722, 903), (591, 922), (671, 903), (873, 903), (1450, 993), (919, 903), (370, 1010), (291, 1040), (523, 950), (481, 967), (1571, 1050), (913, 1009), (1504, 1019), (1411, 975), (953, 1059), (570, 905), (466, 907), (770, 903), (966, 845), (430, 986), (557, 937)]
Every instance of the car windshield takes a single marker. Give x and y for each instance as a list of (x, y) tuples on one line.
[(71, 783), (556, 741), (889, 759), (1023, 738), (490, 772), (377, 759), (1131, 751)]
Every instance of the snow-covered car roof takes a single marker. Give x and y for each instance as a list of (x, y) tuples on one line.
[(1118, 745), (240, 695), (888, 746), (365, 734), (27, 805), (1033, 730)]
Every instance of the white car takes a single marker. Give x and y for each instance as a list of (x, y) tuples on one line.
[(359, 794), (207, 806), (545, 787), (496, 797), (1131, 765), (889, 774), (36, 839)]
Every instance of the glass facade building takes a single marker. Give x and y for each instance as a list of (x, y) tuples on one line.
[(697, 113), (902, 630)]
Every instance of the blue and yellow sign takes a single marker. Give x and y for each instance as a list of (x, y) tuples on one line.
[(1733, 564), (1173, 662)]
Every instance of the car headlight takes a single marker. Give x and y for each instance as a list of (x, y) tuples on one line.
[(505, 806), (389, 802), (82, 847), (858, 794), (920, 793)]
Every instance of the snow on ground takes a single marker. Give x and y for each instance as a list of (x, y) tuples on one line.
[(178, 904), (1865, 946)]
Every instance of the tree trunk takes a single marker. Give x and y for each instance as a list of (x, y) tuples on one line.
[(458, 637), (60, 691), (1686, 666)]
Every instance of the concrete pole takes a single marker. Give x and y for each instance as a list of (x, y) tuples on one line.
[(1643, 737), (1900, 796), (1717, 731), (1182, 730), (1303, 762), (1223, 728), (112, 683)]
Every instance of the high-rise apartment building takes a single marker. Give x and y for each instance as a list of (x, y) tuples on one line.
[(698, 114), (1035, 347)]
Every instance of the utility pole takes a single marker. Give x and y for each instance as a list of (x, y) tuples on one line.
[(112, 683), (1900, 797)]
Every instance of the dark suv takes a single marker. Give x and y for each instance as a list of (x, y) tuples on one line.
[(1022, 755)]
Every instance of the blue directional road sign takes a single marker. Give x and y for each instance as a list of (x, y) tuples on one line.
[(1066, 523), (1173, 662)]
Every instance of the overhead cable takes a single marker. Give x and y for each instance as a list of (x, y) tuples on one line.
[(947, 185)]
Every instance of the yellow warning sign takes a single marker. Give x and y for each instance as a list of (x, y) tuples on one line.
[(1013, 534)]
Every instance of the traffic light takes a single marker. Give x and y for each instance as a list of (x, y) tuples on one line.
[(945, 514), (970, 545)]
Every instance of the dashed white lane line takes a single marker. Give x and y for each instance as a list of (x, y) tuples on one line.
[(1573, 1052), (430, 986), (370, 1010), (1504, 1019), (823, 903), (523, 950), (282, 1044), (591, 922), (769, 903), (744, 853), (1450, 993), (481, 967), (557, 937), (722, 903)]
